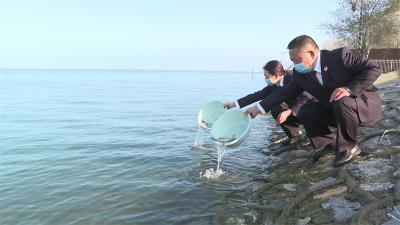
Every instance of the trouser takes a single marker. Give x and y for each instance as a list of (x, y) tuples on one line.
[(291, 125), (342, 114)]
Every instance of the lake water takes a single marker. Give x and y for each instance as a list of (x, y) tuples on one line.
[(114, 147)]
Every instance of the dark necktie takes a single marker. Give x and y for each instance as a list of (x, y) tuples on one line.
[(314, 77)]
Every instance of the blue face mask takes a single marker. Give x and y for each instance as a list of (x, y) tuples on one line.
[(269, 82), (300, 68)]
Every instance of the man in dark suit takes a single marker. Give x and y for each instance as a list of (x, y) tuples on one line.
[(276, 77), (342, 82)]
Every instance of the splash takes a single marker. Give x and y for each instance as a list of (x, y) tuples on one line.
[(199, 137), (212, 174), (220, 153)]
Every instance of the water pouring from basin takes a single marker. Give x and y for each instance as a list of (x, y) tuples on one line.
[(229, 130)]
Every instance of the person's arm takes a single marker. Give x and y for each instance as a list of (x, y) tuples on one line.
[(365, 72), (256, 96), (302, 99), (291, 90)]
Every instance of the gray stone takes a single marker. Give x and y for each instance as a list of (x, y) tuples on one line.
[(377, 186), (322, 182), (304, 221), (290, 187), (342, 208), (396, 173), (330, 192), (372, 168), (394, 216)]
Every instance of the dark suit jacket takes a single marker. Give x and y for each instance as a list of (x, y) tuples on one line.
[(340, 68), (294, 103)]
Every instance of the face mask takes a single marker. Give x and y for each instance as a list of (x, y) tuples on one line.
[(302, 69), (269, 82)]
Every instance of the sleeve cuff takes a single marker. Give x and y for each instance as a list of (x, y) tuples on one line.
[(237, 104), (260, 107), (294, 110)]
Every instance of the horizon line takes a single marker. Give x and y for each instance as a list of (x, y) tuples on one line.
[(102, 69)]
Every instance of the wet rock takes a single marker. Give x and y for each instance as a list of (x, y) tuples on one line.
[(290, 187), (320, 183), (371, 168), (384, 140), (271, 160), (331, 192), (397, 173), (377, 187), (235, 220), (397, 191), (304, 221), (342, 208), (296, 161), (394, 216)]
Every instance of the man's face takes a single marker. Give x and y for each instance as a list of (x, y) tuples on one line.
[(307, 57)]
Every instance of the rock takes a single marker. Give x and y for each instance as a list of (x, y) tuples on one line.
[(394, 215), (397, 191), (271, 160), (290, 186), (371, 168), (377, 187), (296, 161), (304, 221), (331, 192), (397, 173), (342, 208), (386, 139), (320, 183)]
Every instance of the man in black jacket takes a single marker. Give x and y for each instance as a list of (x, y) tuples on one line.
[(342, 82), (276, 77)]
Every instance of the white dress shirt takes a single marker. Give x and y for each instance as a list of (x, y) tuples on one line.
[(318, 69)]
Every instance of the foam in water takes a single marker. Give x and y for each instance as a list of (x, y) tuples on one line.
[(212, 174)]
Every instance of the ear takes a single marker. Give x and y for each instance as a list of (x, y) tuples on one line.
[(313, 53)]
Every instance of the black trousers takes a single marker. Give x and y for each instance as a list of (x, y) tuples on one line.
[(342, 114), (291, 125)]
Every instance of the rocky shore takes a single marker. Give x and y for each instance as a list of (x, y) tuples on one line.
[(298, 190)]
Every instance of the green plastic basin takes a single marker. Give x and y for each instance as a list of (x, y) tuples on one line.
[(232, 128), (210, 113)]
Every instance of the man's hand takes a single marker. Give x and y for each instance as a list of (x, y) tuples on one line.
[(229, 105), (283, 116), (339, 93), (253, 111)]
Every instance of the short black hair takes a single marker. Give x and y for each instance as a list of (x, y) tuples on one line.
[(272, 66), (301, 42)]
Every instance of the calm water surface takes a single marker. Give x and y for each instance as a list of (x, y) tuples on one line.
[(114, 147)]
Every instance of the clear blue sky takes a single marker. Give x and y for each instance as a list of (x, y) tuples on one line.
[(233, 35)]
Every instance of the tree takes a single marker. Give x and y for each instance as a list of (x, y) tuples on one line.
[(364, 24)]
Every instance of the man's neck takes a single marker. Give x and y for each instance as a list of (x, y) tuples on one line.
[(315, 61)]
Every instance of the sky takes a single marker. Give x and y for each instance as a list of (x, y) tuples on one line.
[(222, 35)]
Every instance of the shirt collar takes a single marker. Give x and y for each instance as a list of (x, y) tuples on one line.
[(317, 67), (281, 81)]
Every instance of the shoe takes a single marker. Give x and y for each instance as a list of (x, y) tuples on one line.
[(293, 140), (322, 151), (346, 156)]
